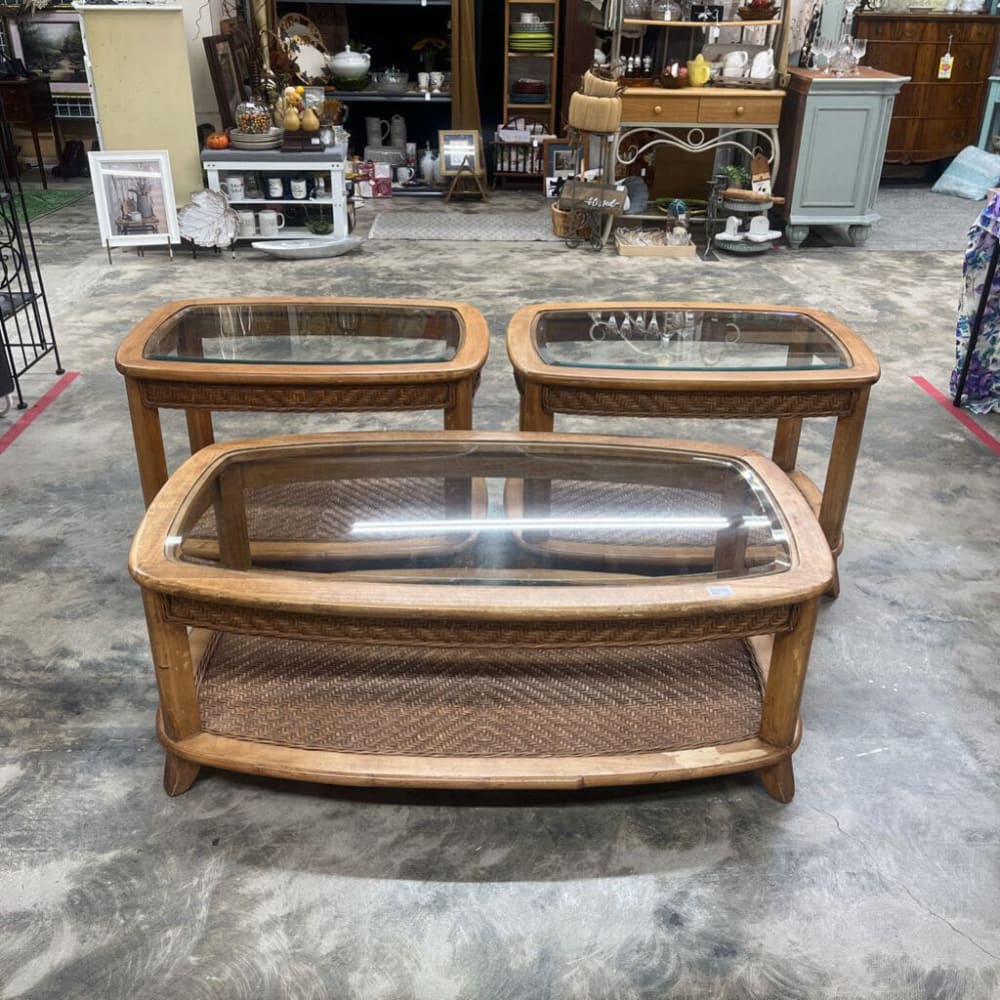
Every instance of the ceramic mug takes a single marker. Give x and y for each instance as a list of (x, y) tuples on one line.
[(233, 187), (248, 223), (436, 80), (275, 187), (404, 174), (270, 222), (299, 188), (735, 63)]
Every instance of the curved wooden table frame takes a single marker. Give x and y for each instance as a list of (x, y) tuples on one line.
[(199, 388), (184, 602), (785, 396)]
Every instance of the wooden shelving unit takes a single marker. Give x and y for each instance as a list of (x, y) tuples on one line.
[(525, 160)]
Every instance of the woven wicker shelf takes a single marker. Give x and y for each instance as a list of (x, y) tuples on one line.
[(444, 708)]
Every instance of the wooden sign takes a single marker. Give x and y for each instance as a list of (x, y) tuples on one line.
[(595, 197), (760, 174)]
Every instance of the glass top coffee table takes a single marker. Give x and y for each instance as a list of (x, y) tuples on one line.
[(480, 610), (700, 359), (296, 355)]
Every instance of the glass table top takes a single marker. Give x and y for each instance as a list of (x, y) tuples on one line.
[(490, 513), (307, 333), (686, 340)]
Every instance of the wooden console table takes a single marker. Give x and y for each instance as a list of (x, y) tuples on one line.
[(702, 359), (480, 610), (28, 104), (296, 355)]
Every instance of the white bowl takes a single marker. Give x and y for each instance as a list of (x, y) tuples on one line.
[(308, 248)]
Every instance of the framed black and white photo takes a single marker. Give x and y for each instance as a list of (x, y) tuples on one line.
[(134, 195), (561, 160), (461, 148), (51, 44)]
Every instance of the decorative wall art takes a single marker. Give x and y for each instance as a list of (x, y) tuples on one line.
[(134, 195), (227, 81), (461, 149), (51, 44), (562, 160)]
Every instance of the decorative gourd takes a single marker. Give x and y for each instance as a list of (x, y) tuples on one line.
[(216, 140), (291, 120), (310, 122)]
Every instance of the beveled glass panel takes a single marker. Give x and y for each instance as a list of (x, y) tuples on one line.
[(487, 513), (686, 340), (307, 333)]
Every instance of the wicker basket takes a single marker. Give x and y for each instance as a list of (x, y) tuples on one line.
[(562, 221), (594, 114), (757, 13), (597, 83)]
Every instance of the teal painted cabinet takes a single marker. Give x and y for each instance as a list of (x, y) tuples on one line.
[(833, 135)]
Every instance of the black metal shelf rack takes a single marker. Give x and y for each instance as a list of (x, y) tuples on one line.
[(26, 334)]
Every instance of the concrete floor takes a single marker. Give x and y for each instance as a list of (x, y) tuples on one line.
[(881, 878)]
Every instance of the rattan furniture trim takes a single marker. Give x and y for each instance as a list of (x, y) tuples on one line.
[(296, 398), (420, 631), (599, 402)]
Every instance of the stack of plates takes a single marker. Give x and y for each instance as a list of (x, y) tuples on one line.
[(527, 91), (258, 141), (531, 37)]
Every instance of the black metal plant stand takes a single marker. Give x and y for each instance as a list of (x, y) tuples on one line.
[(26, 334)]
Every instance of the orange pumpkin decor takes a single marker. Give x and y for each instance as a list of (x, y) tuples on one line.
[(217, 140)]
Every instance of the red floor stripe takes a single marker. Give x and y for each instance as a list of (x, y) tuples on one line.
[(960, 415), (32, 414)]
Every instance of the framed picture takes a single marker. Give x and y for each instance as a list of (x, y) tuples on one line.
[(51, 44), (226, 79), (461, 148), (561, 160), (134, 195)]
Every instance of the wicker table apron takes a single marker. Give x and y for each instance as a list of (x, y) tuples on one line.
[(167, 362), (788, 391), (520, 637)]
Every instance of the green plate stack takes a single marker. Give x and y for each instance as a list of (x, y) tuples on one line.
[(536, 37)]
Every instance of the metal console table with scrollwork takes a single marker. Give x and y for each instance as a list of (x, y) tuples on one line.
[(696, 120), (26, 334), (702, 359)]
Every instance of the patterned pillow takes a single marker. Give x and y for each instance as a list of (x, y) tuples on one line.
[(970, 175)]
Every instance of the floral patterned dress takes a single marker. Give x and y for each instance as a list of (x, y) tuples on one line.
[(982, 385)]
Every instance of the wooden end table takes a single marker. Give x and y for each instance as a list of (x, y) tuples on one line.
[(480, 610), (702, 359), (296, 355)]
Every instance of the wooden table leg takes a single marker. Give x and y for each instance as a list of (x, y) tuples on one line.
[(458, 416), (200, 431), (840, 477), (533, 414), (783, 698), (38, 155), (785, 452), (178, 697), (148, 438)]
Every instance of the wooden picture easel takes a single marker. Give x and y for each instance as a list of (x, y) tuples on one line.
[(466, 172)]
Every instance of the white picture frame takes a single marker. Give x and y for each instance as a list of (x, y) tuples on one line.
[(134, 195)]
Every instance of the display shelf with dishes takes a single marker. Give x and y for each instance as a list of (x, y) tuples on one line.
[(402, 55), (715, 91), (531, 33), (271, 190)]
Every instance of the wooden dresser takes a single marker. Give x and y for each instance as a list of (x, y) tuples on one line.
[(933, 118)]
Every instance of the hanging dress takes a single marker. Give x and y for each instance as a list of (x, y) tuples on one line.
[(981, 393)]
